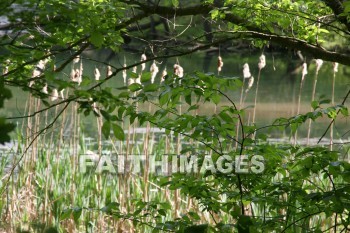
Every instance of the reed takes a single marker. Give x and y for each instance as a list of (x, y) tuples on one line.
[(319, 63), (220, 64), (246, 74), (261, 65), (335, 71), (303, 74), (179, 72)]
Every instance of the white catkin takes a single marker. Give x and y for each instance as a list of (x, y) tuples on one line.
[(319, 63), (72, 75), (62, 94), (304, 72), (6, 68), (109, 71), (132, 80), (143, 58), (76, 76), (124, 74), (54, 95), (97, 74), (262, 62), (36, 73), (246, 71), (76, 59), (164, 73), (154, 70), (220, 64), (93, 105), (81, 69), (44, 90), (178, 71), (42, 63), (138, 79), (250, 83), (39, 68), (335, 67)]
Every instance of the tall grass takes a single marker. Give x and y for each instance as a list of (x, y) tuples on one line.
[(335, 70), (48, 189), (319, 63), (303, 74), (261, 65)]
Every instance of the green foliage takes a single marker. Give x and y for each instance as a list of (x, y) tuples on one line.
[(5, 127)]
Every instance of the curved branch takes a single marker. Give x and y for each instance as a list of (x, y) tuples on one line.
[(253, 30)]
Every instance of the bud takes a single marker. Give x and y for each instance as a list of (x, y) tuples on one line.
[(262, 61), (143, 58), (97, 74), (220, 63), (319, 63), (250, 83), (54, 95), (62, 94), (335, 67), (246, 71), (44, 90), (304, 72), (76, 59), (164, 73), (124, 74), (154, 70), (6, 68), (178, 71), (109, 71), (77, 76)]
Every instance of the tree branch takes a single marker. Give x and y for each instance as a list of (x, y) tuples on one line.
[(337, 8), (253, 30)]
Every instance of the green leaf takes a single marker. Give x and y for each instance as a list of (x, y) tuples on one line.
[(344, 111), (146, 77), (162, 212), (113, 206), (188, 98), (315, 104), (325, 101), (175, 3), (66, 214), (132, 75), (76, 214), (193, 107), (151, 87), (124, 94), (135, 87), (5, 129), (225, 117), (163, 98), (96, 39), (216, 98), (214, 13), (332, 113), (105, 114), (121, 111), (202, 228), (243, 224), (106, 129), (118, 132)]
